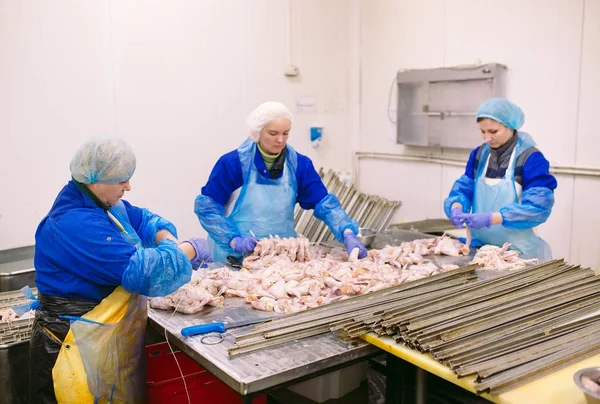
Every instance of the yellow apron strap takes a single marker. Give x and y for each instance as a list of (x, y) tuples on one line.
[(52, 335)]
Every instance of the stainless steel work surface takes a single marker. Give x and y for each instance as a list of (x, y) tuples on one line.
[(280, 364), (264, 369)]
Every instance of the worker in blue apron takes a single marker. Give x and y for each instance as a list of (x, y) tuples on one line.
[(507, 189), (97, 257), (252, 191)]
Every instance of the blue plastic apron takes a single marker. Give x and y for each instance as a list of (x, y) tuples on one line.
[(491, 195), (264, 206)]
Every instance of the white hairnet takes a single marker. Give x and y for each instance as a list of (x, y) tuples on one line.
[(107, 160), (263, 114)]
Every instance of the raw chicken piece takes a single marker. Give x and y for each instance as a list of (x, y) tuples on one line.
[(258, 290), (278, 290), (592, 385), (205, 288), (416, 258), (353, 257), (7, 315), (264, 303), (449, 246), (500, 258), (236, 293)]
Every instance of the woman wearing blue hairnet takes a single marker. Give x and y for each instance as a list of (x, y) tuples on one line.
[(96, 258), (507, 185), (252, 191)]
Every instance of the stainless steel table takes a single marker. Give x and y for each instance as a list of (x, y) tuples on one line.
[(257, 372), (254, 373)]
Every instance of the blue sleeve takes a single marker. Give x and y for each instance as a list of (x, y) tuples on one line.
[(226, 177), (536, 173), (463, 188), (209, 206), (146, 224), (99, 253), (534, 209), (330, 211), (311, 189), (537, 199), (157, 271), (213, 220)]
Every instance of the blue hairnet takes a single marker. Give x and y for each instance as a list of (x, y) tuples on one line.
[(461, 192), (105, 160), (503, 111), (211, 215), (157, 271), (330, 211), (534, 209)]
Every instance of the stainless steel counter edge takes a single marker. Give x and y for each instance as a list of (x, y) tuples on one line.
[(264, 369)]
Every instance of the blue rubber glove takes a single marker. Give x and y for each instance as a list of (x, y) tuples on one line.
[(457, 217), (202, 252), (244, 244), (351, 242), (478, 220)]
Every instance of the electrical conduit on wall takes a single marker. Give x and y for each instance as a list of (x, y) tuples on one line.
[(554, 169)]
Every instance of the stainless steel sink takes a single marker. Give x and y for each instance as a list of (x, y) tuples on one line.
[(16, 268)]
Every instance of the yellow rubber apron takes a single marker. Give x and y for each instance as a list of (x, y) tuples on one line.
[(101, 359)]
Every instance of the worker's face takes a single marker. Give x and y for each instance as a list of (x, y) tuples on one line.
[(274, 136), (494, 133), (110, 194)]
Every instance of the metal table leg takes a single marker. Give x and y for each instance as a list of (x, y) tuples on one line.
[(420, 386), (405, 382)]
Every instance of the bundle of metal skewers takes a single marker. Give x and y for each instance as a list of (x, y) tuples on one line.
[(371, 211), (507, 331)]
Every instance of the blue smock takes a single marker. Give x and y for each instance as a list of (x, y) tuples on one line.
[(81, 254), (241, 196), (495, 195)]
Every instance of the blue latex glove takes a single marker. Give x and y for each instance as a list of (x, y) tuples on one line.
[(351, 242), (202, 252), (457, 217), (478, 220), (244, 244)]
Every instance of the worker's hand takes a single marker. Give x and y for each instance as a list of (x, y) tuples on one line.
[(457, 217), (478, 220), (202, 252), (351, 242), (243, 244)]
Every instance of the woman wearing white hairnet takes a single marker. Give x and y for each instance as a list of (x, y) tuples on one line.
[(252, 191), (96, 257), (507, 184)]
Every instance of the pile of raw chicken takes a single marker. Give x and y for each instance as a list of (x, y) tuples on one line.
[(500, 258), (9, 315), (289, 275)]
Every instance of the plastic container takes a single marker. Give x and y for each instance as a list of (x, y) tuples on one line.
[(164, 384), (332, 385), (592, 373)]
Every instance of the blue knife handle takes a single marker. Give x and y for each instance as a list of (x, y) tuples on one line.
[(203, 329)]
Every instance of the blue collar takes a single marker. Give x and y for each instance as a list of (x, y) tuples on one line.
[(86, 200)]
